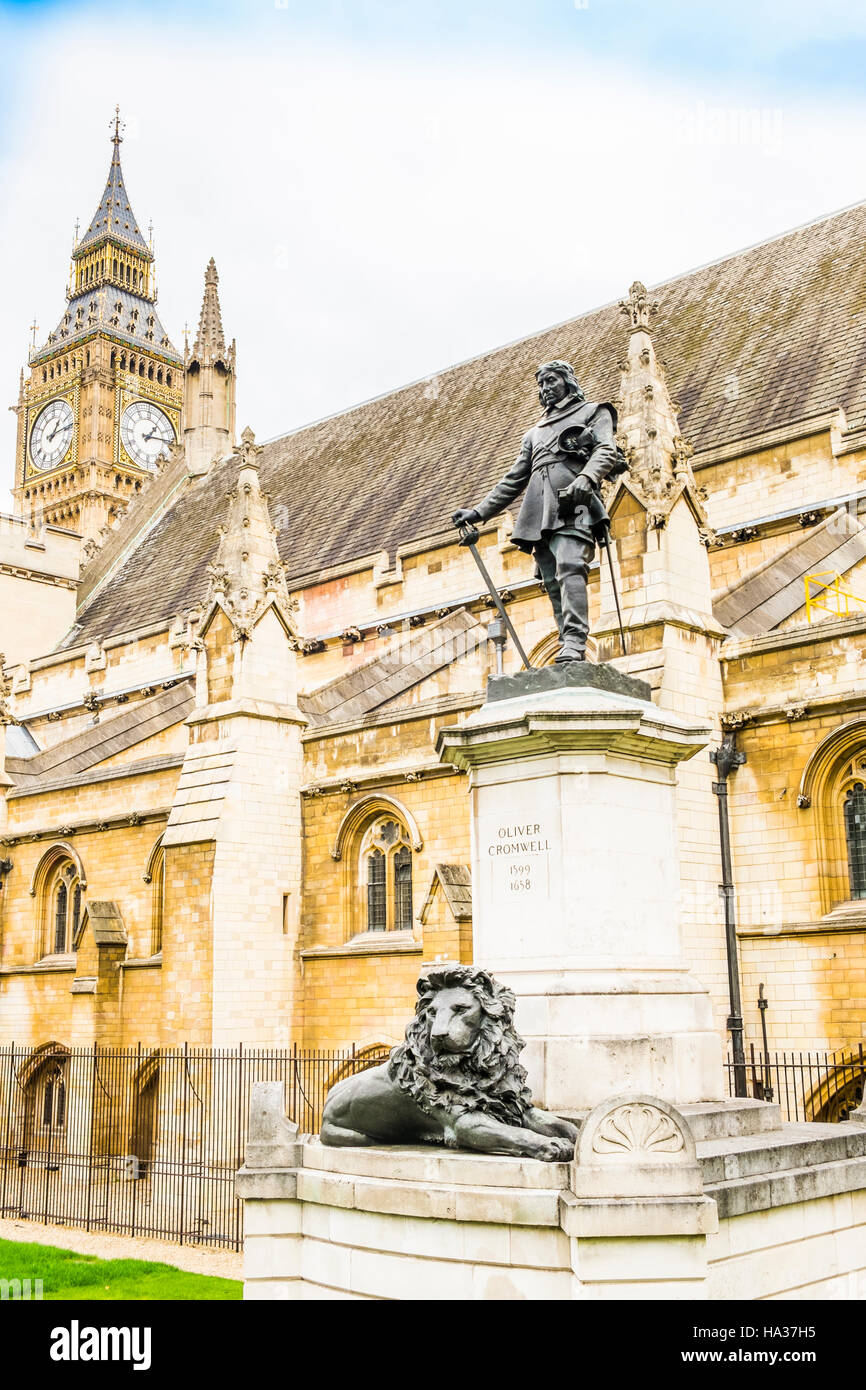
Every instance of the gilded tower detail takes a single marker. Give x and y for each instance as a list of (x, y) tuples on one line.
[(102, 403)]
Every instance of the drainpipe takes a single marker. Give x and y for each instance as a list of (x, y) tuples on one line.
[(727, 758)]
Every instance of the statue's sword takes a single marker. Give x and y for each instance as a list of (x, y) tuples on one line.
[(600, 522), (605, 540), (469, 537)]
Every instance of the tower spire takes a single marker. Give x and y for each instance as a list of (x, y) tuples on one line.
[(112, 284), (209, 385), (210, 343), (122, 377), (114, 218)]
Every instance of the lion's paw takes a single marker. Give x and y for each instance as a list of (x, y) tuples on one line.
[(557, 1151)]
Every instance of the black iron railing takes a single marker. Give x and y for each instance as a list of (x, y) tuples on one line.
[(820, 1086), (142, 1141)]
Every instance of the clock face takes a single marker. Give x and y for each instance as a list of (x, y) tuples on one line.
[(146, 432), (51, 435)]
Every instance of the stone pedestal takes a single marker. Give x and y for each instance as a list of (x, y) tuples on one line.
[(576, 884), (711, 1201)]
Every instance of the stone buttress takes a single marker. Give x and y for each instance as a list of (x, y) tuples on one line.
[(233, 841)]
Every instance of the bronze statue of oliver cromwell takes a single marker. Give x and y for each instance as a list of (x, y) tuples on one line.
[(562, 462)]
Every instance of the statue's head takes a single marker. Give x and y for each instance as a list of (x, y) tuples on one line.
[(556, 383)]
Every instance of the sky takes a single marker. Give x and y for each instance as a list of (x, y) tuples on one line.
[(389, 188)]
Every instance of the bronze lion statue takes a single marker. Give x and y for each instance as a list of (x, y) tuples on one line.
[(456, 1080)]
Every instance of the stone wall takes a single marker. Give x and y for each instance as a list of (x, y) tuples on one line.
[(808, 1250), (187, 953), (750, 1211), (38, 575)]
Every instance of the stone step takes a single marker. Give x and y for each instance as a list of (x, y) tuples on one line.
[(787, 1186), (731, 1119), (789, 1148)]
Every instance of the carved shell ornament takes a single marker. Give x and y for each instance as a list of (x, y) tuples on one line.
[(638, 1129)]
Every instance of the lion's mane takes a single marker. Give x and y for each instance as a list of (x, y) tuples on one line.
[(489, 1077)]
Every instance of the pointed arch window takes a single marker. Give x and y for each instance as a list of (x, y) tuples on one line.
[(59, 886), (855, 836), (65, 900), (403, 889), (42, 1124), (377, 893), (158, 911), (386, 872), (53, 1106)]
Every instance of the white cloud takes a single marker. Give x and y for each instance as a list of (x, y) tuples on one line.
[(375, 221)]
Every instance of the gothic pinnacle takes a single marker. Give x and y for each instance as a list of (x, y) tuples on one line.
[(210, 343)]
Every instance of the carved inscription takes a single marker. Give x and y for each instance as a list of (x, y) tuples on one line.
[(518, 853)]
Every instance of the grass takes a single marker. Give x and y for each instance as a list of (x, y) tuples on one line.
[(65, 1274)]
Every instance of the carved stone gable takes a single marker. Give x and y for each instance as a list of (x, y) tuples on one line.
[(634, 1145), (638, 1129)]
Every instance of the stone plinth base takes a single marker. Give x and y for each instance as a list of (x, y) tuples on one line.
[(591, 1033), (575, 884), (712, 1202)]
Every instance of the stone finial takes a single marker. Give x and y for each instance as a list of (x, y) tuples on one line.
[(638, 308), (247, 571), (660, 468), (218, 577), (248, 449), (682, 453)]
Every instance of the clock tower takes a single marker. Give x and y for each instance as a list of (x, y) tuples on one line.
[(102, 403)]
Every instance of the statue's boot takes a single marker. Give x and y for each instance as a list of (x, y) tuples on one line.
[(546, 567), (564, 565)]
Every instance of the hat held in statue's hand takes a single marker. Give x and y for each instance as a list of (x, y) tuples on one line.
[(576, 439)]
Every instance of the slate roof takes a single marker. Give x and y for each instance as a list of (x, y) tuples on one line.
[(114, 216), (64, 761), (785, 320), (95, 310), (455, 881), (20, 743), (777, 591), (369, 686)]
